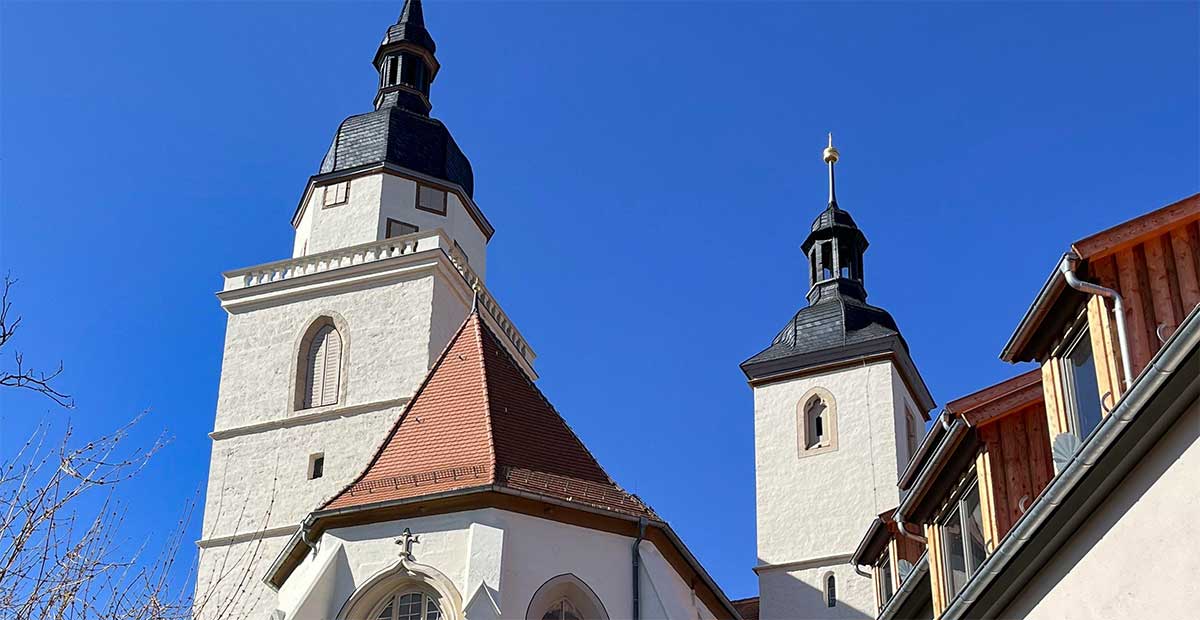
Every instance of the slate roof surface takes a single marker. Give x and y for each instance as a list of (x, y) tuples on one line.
[(397, 136), (410, 27), (833, 322), (476, 421)]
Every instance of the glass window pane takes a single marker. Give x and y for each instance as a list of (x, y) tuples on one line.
[(953, 556), (431, 610), (885, 580), (386, 614), (975, 548), (1086, 390), (409, 607)]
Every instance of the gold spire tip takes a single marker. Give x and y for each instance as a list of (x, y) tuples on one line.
[(830, 153)]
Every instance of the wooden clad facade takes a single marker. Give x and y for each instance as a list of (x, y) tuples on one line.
[(1154, 263), (1014, 465)]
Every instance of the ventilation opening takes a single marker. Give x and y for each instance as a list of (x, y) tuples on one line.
[(316, 465)]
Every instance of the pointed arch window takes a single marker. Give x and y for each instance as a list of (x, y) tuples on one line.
[(408, 606), (817, 422), (322, 368), (562, 610)]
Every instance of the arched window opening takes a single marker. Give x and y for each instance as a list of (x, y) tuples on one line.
[(562, 610), (830, 591), (817, 423), (322, 368), (408, 606)]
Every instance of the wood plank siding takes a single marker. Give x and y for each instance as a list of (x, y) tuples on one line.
[(1014, 465), (1159, 277)]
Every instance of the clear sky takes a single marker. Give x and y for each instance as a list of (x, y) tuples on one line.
[(650, 169)]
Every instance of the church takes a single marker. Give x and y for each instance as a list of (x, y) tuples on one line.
[(381, 449)]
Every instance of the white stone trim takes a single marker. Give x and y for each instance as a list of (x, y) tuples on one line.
[(221, 541), (319, 414), (828, 560)]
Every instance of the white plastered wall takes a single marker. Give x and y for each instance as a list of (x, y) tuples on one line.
[(1135, 556), (509, 554), (813, 509), (372, 200)]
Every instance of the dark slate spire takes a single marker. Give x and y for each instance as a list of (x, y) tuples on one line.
[(406, 62), (835, 248), (400, 132), (837, 324)]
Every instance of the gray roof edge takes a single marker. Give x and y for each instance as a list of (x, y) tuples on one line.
[(894, 344), (1015, 349), (1143, 416)]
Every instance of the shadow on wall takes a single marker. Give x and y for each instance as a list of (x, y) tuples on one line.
[(790, 598)]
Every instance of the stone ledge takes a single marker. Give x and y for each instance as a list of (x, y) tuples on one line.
[(325, 413)]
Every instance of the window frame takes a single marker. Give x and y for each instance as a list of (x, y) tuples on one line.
[(829, 590), (1079, 334), (316, 465), (387, 228), (957, 507), (884, 579), (445, 197), (336, 187), (805, 427), (393, 599)]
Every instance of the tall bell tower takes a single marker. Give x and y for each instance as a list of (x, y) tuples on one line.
[(324, 349), (838, 408)]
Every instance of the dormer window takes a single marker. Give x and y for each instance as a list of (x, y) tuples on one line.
[(1082, 389), (962, 545), (883, 580), (431, 199)]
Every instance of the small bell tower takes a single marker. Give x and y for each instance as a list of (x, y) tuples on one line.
[(838, 405)]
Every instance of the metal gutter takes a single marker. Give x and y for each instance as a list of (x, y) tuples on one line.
[(1046, 297), (906, 589), (953, 436), (1184, 342)]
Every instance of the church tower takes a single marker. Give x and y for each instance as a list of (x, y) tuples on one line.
[(838, 409), (324, 349)]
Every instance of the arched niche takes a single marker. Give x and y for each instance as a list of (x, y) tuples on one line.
[(570, 588)]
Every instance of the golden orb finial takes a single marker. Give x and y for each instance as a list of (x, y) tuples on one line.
[(830, 154)]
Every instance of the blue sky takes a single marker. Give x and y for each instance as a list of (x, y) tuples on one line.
[(650, 170)]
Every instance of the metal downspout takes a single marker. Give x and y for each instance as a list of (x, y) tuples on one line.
[(1160, 368), (1067, 267), (637, 570)]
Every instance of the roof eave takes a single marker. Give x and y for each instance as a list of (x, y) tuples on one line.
[(281, 569), (1145, 413), (1015, 350), (781, 368)]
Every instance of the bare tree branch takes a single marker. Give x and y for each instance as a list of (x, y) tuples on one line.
[(22, 377)]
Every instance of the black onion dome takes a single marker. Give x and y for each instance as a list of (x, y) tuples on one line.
[(400, 131), (831, 217), (834, 324), (397, 136)]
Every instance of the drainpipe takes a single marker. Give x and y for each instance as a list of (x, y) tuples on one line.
[(1067, 267), (637, 571), (858, 569), (907, 534)]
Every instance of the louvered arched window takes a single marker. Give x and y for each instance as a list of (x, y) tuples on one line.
[(322, 372)]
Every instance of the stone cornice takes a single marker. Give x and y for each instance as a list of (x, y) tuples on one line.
[(320, 415), (828, 560)]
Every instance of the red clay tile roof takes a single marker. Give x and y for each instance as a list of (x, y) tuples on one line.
[(747, 608), (476, 421)]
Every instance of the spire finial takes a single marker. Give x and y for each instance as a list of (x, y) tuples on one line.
[(830, 155)]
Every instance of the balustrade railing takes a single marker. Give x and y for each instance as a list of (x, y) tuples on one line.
[(378, 251)]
